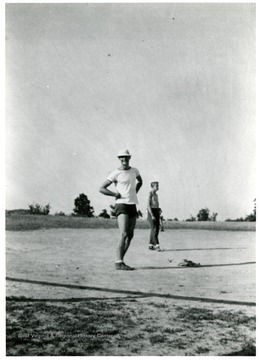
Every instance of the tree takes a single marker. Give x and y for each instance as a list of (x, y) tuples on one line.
[(252, 216), (236, 220), (83, 207), (104, 214), (37, 209), (214, 217), (254, 211), (203, 215), (191, 218), (61, 213)]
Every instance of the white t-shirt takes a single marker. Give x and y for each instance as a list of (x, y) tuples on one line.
[(125, 183)]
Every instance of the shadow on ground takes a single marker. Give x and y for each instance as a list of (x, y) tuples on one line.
[(131, 293), (204, 249), (248, 351), (188, 267)]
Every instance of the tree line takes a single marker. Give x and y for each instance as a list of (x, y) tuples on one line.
[(83, 208)]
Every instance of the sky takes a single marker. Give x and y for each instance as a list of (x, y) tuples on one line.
[(172, 82)]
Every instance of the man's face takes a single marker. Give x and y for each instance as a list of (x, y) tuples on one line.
[(124, 161)]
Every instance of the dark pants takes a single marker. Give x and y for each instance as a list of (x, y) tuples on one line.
[(154, 226)]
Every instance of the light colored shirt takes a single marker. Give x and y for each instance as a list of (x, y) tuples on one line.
[(153, 200), (125, 183)]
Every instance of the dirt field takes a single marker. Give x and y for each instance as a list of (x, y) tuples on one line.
[(72, 300)]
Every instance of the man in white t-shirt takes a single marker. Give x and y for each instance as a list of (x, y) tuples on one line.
[(127, 181)]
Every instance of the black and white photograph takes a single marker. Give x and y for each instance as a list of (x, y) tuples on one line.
[(130, 179)]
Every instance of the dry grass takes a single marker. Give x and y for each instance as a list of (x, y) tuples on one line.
[(34, 222), (129, 326)]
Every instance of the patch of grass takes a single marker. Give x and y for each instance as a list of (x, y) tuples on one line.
[(197, 314), (23, 222), (134, 337), (169, 330), (161, 305), (157, 339), (238, 318), (135, 350), (202, 350), (150, 328), (178, 343)]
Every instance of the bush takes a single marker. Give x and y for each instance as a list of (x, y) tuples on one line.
[(37, 209), (104, 214)]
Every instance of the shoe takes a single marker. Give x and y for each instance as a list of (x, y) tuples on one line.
[(157, 247), (151, 247), (122, 266)]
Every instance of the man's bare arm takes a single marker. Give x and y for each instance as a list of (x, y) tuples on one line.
[(139, 183), (103, 189)]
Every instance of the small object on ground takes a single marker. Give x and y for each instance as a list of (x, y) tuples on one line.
[(188, 263), (122, 266), (151, 247), (170, 260)]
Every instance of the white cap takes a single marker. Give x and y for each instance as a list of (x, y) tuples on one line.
[(124, 152)]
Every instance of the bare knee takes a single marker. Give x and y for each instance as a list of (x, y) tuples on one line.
[(124, 235)]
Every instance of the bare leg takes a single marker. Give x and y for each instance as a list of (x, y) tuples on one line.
[(126, 227), (123, 223), (130, 233)]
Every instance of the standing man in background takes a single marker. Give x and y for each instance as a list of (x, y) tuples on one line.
[(127, 181), (153, 216)]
